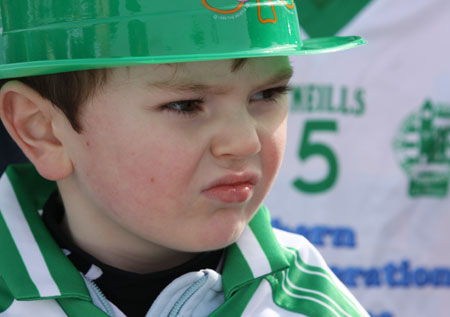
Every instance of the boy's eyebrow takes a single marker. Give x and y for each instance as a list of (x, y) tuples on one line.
[(284, 74)]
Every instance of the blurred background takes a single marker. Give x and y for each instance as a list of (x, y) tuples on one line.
[(367, 166)]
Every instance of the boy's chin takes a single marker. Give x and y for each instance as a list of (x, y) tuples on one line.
[(219, 239)]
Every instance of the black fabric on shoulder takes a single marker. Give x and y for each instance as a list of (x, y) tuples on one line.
[(10, 152)]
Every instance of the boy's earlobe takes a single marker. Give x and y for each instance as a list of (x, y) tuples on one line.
[(28, 117)]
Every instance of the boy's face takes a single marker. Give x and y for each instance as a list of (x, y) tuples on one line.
[(179, 157)]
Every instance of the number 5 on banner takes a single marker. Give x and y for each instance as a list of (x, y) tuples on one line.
[(310, 149)]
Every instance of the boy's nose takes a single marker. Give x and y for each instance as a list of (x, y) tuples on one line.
[(237, 138)]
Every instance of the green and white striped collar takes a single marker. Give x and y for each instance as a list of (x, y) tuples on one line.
[(33, 266), (256, 253)]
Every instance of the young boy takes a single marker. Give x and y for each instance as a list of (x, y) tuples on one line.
[(155, 132)]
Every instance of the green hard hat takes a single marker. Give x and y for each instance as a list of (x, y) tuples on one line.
[(51, 36)]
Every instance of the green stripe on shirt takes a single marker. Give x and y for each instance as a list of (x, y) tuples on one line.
[(6, 299), (315, 275), (310, 290), (28, 183), (267, 240), (236, 271), (11, 258)]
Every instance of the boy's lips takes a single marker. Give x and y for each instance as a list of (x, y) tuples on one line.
[(232, 188)]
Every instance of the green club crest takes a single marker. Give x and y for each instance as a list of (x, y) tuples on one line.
[(422, 147)]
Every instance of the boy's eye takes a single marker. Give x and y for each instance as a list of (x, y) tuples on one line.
[(270, 94), (185, 107)]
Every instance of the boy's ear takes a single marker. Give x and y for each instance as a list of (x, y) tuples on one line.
[(29, 119)]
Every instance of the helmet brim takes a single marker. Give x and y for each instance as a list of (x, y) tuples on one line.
[(44, 67)]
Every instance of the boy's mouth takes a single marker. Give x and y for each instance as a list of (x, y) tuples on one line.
[(233, 188)]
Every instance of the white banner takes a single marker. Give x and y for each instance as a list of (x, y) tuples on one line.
[(367, 166)]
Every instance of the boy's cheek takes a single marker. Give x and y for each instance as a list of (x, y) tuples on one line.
[(273, 152), (276, 139), (142, 174)]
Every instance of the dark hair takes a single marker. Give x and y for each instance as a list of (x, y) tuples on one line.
[(67, 91)]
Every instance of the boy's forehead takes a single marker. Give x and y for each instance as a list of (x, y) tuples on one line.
[(201, 75)]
